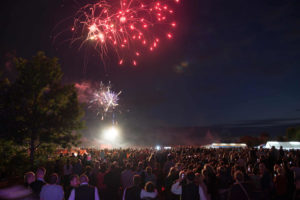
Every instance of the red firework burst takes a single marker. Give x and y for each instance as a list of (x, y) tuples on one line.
[(130, 29)]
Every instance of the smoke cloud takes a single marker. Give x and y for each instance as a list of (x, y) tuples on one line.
[(85, 90)]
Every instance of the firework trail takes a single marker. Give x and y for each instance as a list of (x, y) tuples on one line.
[(104, 100), (130, 29)]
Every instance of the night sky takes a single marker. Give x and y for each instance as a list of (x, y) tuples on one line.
[(230, 62)]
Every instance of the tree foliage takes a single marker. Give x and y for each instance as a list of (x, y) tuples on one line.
[(37, 108), (293, 133), (13, 158)]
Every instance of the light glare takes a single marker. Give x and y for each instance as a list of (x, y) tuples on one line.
[(111, 133)]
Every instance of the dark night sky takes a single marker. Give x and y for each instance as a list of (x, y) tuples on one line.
[(230, 62)]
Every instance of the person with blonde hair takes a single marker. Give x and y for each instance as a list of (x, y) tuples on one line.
[(149, 192)]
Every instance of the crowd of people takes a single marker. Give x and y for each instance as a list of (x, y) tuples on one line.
[(186, 173)]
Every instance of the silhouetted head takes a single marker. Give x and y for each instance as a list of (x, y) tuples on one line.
[(83, 179), (40, 172), (29, 177), (74, 180), (149, 187), (53, 179), (137, 180)]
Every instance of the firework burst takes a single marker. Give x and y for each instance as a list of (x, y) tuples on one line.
[(130, 29), (104, 100)]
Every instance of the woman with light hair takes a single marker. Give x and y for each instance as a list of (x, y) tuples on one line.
[(149, 192)]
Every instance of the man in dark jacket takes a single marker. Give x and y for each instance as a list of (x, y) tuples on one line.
[(112, 179), (39, 182), (133, 192), (190, 191), (84, 191)]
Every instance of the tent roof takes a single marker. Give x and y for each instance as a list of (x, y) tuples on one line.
[(285, 145), (228, 145)]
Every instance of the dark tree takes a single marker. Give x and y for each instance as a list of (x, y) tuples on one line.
[(37, 108), (250, 140), (264, 137), (293, 133)]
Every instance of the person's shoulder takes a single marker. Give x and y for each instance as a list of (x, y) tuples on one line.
[(45, 186), (59, 187)]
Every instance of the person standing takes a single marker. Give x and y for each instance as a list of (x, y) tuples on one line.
[(84, 191), (39, 182), (77, 167), (112, 180), (187, 189), (149, 193), (29, 179), (127, 177), (74, 183), (265, 181), (240, 189), (149, 176), (68, 170), (133, 192), (52, 191)]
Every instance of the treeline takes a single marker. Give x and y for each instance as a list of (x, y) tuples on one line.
[(291, 134)]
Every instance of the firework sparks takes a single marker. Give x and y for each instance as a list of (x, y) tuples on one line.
[(130, 29), (104, 99)]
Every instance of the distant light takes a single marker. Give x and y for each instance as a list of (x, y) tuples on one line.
[(111, 133), (158, 148), (167, 147)]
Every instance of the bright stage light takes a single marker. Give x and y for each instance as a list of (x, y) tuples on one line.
[(158, 148), (111, 133)]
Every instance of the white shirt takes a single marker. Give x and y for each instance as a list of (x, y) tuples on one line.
[(177, 189), (145, 194), (72, 195)]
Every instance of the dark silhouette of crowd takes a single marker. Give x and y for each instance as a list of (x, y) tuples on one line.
[(186, 173)]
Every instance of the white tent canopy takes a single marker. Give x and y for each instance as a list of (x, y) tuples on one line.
[(285, 145), (227, 145)]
